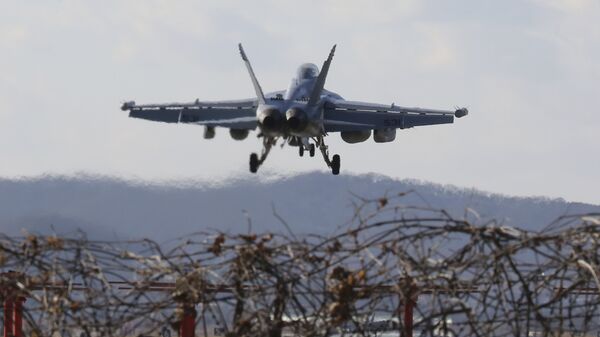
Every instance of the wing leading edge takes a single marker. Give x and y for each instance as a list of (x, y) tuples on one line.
[(343, 115), (238, 114)]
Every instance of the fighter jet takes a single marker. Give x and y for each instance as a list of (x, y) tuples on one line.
[(301, 116)]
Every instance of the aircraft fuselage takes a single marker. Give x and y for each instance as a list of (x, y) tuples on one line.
[(286, 112)]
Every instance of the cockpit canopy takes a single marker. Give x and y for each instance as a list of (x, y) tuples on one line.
[(307, 71)]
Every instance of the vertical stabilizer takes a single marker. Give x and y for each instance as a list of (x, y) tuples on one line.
[(320, 82), (257, 88)]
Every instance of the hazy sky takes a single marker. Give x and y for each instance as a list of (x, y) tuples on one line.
[(528, 71)]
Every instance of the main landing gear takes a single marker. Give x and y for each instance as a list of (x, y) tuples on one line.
[(268, 142), (334, 163), (255, 161)]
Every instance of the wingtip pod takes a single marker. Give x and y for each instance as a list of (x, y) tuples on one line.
[(127, 105), (462, 112)]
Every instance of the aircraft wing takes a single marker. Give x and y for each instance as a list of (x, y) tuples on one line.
[(238, 114), (341, 115)]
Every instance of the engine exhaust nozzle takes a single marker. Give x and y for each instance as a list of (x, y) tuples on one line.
[(271, 119), (297, 120)]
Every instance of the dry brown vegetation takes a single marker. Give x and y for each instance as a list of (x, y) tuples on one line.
[(471, 279)]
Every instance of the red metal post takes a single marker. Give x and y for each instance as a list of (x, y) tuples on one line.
[(8, 317), (18, 317), (409, 304), (187, 326)]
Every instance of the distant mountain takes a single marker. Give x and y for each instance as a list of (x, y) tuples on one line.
[(314, 202)]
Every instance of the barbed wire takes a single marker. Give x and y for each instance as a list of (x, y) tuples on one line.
[(463, 277)]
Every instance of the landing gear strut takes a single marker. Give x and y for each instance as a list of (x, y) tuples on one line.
[(255, 161), (334, 163)]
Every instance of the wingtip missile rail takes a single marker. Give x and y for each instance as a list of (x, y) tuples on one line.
[(462, 112)]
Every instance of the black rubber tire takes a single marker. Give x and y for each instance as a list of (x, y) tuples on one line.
[(253, 163), (311, 150), (335, 164), (301, 150)]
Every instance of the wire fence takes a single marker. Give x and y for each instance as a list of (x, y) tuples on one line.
[(462, 277)]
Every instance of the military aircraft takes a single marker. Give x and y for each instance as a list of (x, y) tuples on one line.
[(301, 116)]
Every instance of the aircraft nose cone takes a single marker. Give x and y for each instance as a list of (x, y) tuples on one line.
[(296, 119), (271, 119)]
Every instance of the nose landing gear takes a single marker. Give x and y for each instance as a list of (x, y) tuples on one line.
[(311, 150)]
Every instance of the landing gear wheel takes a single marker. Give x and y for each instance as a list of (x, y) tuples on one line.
[(335, 164), (301, 150), (253, 163), (311, 150)]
